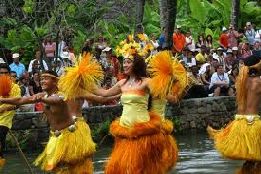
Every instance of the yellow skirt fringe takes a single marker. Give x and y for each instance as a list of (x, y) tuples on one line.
[(69, 151), (138, 149), (240, 139), (170, 154)]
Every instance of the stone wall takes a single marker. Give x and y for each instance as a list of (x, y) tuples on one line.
[(188, 114)]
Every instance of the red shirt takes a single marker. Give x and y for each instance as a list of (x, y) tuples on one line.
[(223, 40), (179, 41)]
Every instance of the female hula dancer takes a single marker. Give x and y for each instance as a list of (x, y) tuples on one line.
[(168, 82), (139, 142), (240, 139)]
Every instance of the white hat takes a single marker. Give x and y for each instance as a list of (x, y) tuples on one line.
[(248, 23), (229, 51), (65, 55), (15, 55), (224, 29), (178, 26), (234, 48), (2, 60), (220, 49), (107, 49)]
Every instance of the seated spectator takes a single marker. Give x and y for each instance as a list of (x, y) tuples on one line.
[(35, 64), (190, 43), (245, 50), (189, 59), (233, 75), (229, 60), (219, 83), (14, 76), (179, 40), (223, 39), (16, 66), (87, 46), (205, 74), (209, 41), (58, 67), (197, 89), (34, 84), (201, 57)]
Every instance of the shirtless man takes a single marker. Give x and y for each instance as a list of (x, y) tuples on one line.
[(60, 117)]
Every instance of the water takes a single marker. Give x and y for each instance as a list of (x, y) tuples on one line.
[(196, 156)]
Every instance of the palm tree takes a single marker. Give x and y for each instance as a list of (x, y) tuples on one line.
[(168, 10), (139, 14), (235, 11)]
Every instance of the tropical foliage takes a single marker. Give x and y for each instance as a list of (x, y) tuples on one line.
[(77, 20)]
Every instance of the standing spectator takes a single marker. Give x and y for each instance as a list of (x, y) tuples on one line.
[(209, 41), (111, 65), (162, 39), (223, 39), (219, 83), (154, 43), (36, 62), (250, 34), (49, 49), (16, 66), (61, 46), (7, 112), (87, 46), (233, 36), (179, 40), (201, 41), (190, 43)]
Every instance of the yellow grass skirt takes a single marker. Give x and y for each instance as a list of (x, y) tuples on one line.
[(170, 154), (240, 139), (69, 152), (138, 149)]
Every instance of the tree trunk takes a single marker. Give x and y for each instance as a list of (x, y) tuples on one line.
[(163, 12), (170, 21), (139, 14), (235, 11)]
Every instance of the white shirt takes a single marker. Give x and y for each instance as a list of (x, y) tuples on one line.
[(190, 64), (217, 78), (190, 42), (30, 68)]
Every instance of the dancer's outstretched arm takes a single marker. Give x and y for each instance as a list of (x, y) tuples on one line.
[(100, 99), (115, 90), (18, 100)]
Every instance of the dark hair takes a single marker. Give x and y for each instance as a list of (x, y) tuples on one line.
[(211, 38), (50, 72), (5, 66), (139, 67), (13, 72)]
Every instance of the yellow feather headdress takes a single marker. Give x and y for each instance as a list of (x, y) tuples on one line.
[(81, 78), (168, 76)]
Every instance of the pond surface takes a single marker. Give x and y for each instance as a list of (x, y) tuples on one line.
[(197, 155)]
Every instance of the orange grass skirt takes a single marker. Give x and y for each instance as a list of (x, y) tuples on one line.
[(240, 139), (137, 150), (170, 154)]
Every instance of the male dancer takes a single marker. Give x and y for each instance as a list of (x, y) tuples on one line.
[(68, 149), (6, 111)]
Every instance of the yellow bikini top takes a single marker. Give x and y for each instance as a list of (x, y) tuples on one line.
[(158, 106), (135, 107)]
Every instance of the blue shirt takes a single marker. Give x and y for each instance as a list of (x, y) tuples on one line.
[(18, 68)]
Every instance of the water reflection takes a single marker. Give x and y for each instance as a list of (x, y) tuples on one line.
[(196, 156)]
